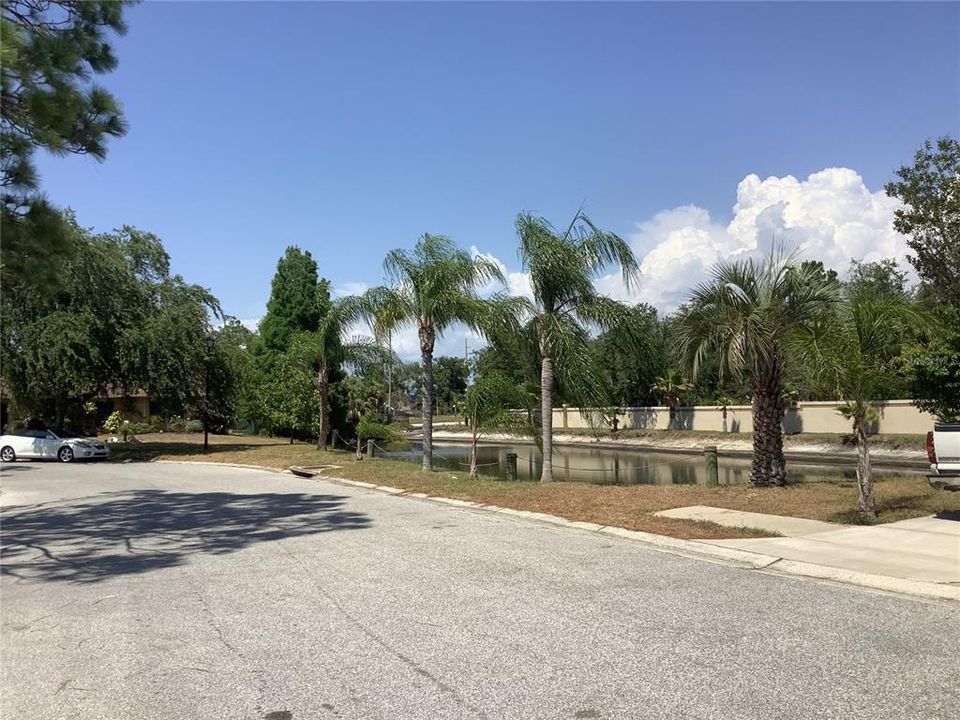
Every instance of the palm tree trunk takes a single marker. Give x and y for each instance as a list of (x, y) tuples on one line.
[(473, 454), (546, 412), (866, 505), (323, 377), (768, 466), (426, 351)]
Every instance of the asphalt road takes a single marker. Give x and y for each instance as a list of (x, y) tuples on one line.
[(185, 591)]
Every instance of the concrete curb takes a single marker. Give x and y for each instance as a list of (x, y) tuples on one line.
[(213, 464), (692, 548)]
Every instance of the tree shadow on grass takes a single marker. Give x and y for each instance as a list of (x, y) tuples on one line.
[(147, 451), (90, 539)]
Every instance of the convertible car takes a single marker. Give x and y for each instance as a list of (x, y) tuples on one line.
[(61, 445)]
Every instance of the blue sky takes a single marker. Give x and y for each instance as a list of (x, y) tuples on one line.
[(350, 129)]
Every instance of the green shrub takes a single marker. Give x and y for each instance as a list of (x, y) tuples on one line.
[(193, 426), (139, 428), (114, 423), (176, 424)]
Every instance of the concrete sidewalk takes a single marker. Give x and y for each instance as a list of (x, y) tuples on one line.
[(924, 549), (786, 526)]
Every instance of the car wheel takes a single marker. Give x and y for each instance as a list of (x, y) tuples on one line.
[(7, 454), (65, 454)]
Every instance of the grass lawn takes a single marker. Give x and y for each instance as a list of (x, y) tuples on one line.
[(628, 506)]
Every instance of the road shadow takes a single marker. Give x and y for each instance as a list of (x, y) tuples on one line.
[(948, 515), (91, 539)]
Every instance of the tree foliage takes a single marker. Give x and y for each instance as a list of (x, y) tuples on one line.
[(297, 298), (450, 377), (854, 352), (930, 216), (117, 320), (936, 370), (494, 403), (629, 363), (744, 317), (432, 287), (566, 306), (49, 51)]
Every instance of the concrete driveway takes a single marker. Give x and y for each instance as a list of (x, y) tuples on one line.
[(190, 591), (926, 549)]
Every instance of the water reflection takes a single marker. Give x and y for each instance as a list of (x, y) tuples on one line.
[(607, 466)]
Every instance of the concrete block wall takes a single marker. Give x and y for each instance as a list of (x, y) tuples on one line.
[(896, 417)]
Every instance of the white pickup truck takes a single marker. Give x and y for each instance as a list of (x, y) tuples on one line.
[(943, 449)]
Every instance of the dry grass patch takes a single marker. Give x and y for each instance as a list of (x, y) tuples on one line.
[(628, 506)]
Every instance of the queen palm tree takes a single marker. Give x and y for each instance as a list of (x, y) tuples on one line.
[(495, 403), (433, 286), (562, 267), (746, 315), (852, 353), (329, 347)]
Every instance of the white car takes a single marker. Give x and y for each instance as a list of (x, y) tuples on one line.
[(59, 445)]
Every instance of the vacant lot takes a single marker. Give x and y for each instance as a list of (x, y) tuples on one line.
[(629, 506)]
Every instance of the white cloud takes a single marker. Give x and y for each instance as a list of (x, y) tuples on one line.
[(682, 244), (831, 216), (349, 287), (518, 283)]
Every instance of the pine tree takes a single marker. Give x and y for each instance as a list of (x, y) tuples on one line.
[(295, 298), (48, 53)]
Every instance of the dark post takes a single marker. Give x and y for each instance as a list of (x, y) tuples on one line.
[(209, 340), (511, 466), (710, 465)]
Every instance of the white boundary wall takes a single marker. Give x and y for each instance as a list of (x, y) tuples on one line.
[(896, 417)]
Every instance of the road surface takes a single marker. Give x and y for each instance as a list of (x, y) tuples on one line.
[(191, 591)]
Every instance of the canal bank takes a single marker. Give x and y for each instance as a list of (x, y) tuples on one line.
[(907, 457)]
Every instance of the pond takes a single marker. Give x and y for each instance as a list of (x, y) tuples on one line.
[(608, 466)]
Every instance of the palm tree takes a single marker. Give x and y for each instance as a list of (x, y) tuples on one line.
[(329, 347), (746, 316), (434, 286), (852, 353), (562, 268), (495, 403), (670, 387)]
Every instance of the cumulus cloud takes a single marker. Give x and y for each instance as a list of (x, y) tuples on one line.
[(518, 283), (349, 287), (831, 216)]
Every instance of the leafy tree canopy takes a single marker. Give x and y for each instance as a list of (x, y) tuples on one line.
[(450, 376), (296, 297), (930, 192), (117, 319), (49, 52)]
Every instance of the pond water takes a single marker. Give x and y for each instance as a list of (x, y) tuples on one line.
[(608, 466)]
